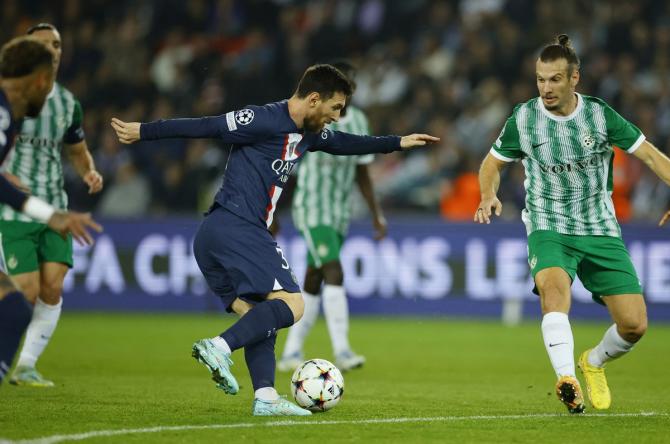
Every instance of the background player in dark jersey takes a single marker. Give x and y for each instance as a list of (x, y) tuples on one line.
[(26, 77), (240, 260)]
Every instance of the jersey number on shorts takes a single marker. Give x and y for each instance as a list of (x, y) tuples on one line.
[(284, 262)]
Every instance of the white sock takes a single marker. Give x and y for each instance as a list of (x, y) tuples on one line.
[(221, 344), (299, 331), (559, 343), (266, 394), (336, 311), (41, 327), (611, 347)]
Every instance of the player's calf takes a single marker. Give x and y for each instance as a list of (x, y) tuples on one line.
[(15, 315)]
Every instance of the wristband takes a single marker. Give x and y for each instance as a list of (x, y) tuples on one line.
[(38, 209)]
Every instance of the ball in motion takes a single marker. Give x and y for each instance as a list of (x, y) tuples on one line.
[(317, 385)]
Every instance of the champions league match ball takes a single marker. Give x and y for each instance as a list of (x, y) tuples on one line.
[(317, 385)]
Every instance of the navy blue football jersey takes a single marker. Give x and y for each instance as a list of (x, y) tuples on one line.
[(267, 146), (8, 129)]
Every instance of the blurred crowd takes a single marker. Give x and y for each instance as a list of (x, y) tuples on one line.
[(450, 68)]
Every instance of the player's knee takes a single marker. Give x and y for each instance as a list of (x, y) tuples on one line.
[(298, 309), (332, 273), (50, 292), (553, 295), (632, 330), (297, 305), (241, 307)]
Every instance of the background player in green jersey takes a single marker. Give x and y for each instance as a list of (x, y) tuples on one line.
[(565, 141), (321, 211), (37, 257)]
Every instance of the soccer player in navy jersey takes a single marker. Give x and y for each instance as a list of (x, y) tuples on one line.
[(26, 77), (240, 260)]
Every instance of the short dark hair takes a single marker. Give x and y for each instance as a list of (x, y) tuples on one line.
[(325, 80), (23, 56), (561, 48), (41, 27), (347, 69)]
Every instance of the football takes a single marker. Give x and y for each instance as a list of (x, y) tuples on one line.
[(317, 385)]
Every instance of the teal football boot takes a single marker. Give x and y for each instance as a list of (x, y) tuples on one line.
[(218, 363), (278, 407), (29, 377)]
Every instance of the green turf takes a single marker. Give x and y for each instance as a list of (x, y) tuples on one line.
[(117, 371)]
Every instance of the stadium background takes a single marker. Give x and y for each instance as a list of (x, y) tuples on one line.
[(454, 69)]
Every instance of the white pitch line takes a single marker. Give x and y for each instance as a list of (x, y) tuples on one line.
[(286, 423)]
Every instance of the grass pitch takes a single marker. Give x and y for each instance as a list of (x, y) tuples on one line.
[(130, 378)]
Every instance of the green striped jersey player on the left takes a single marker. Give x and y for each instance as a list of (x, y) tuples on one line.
[(36, 256)]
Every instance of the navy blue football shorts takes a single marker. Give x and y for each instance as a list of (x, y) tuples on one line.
[(240, 259)]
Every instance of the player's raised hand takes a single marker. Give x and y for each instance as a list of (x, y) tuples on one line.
[(665, 218), (484, 213), (94, 181), (127, 132), (65, 222), (416, 140)]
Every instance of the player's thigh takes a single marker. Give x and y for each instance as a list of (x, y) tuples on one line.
[(606, 268), (240, 259), (553, 263), (215, 274), (323, 245), (18, 250)]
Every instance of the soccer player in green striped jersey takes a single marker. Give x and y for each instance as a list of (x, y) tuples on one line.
[(321, 211), (566, 141), (37, 257)]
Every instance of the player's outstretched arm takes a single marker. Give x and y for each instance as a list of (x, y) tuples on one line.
[(196, 128), (344, 144), (489, 182)]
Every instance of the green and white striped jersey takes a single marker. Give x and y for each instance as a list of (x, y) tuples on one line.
[(36, 157), (568, 164), (325, 181)]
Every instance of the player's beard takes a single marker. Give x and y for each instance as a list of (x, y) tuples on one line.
[(312, 125), (553, 107)]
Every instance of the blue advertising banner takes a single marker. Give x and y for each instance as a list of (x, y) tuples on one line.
[(424, 267)]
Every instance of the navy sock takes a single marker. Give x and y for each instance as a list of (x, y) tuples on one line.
[(260, 358), (15, 315), (259, 323)]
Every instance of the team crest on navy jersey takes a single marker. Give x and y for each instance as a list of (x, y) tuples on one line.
[(244, 117)]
